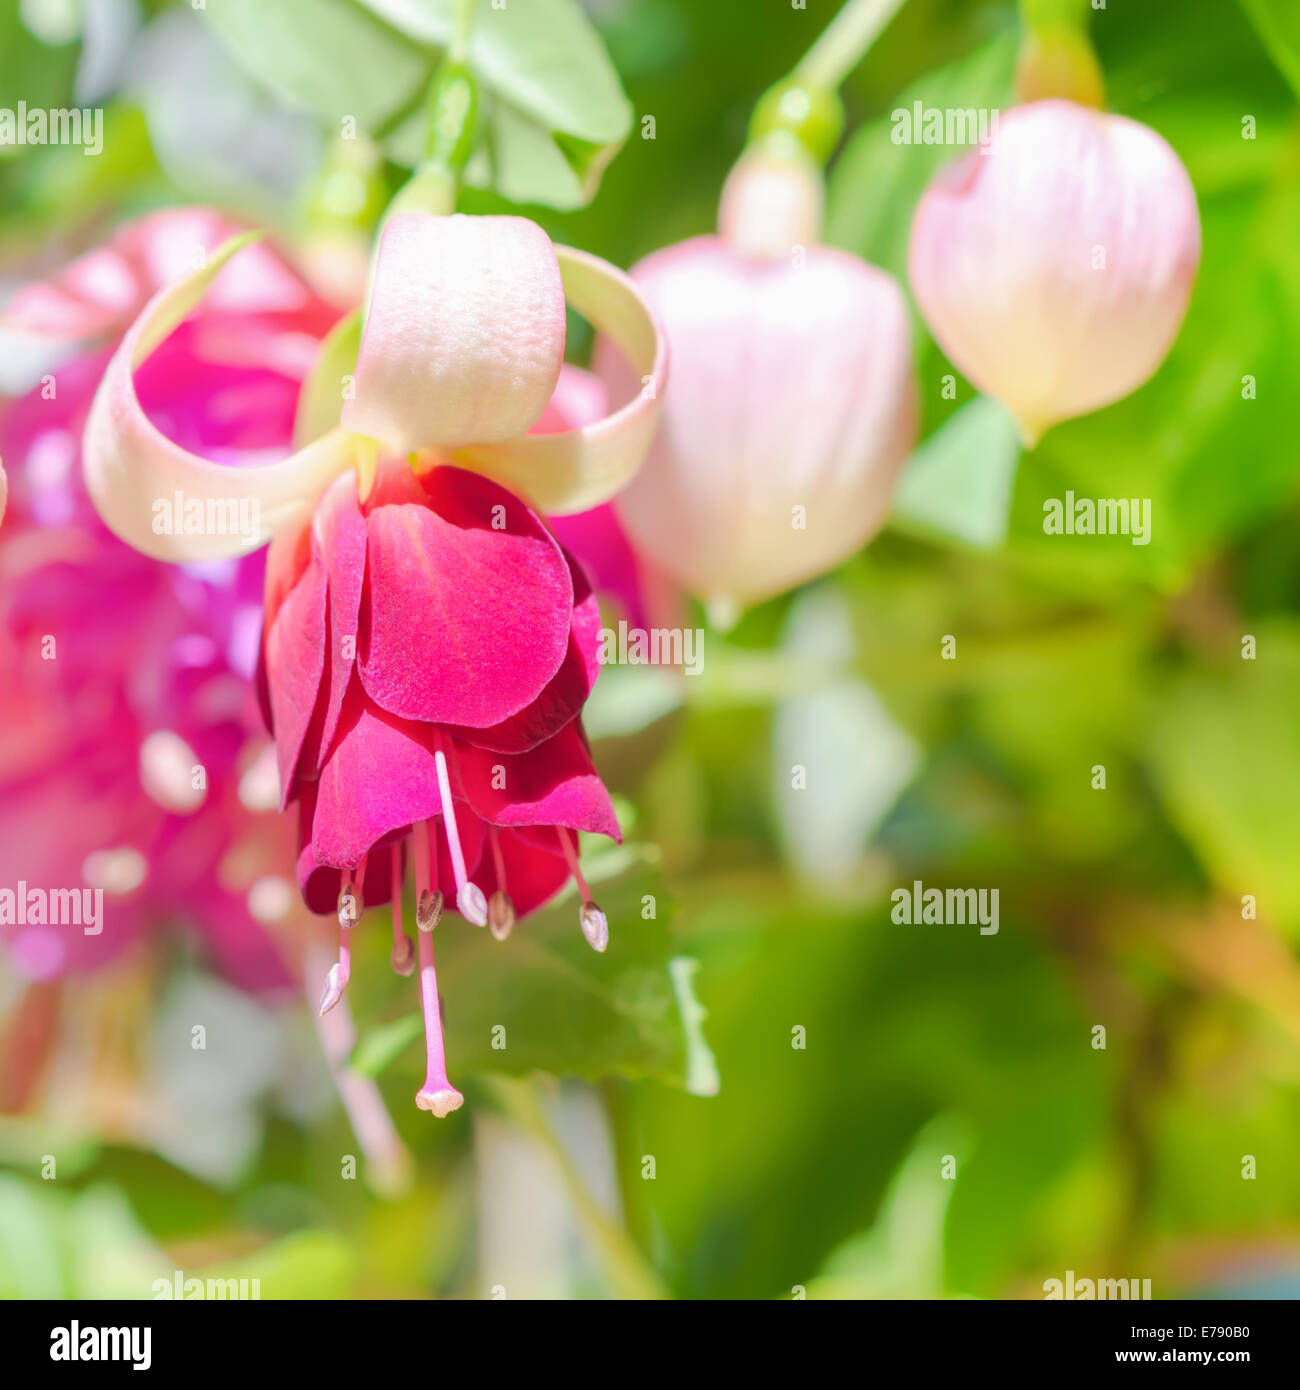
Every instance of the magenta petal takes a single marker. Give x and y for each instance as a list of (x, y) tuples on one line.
[(464, 623), (567, 690), (295, 662), (554, 784), (320, 884), (598, 538), (339, 544), (380, 777), (533, 875)]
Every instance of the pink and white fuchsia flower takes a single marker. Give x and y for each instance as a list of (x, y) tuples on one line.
[(1055, 267), (793, 404), (428, 646)]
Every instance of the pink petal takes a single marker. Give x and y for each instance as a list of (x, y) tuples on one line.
[(102, 290), (533, 875), (463, 624), (579, 399), (339, 544), (320, 884), (1006, 261), (598, 539), (379, 778), (565, 693), (578, 468), (792, 389), (465, 332), (554, 784), (295, 663)]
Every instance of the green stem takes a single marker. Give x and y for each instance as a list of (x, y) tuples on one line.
[(459, 49), (627, 1161), (1055, 14), (627, 1269), (842, 44)]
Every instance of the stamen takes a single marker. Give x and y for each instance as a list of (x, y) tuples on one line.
[(437, 1094), (428, 899), (470, 901), (403, 946), (595, 926), (501, 911), (349, 911)]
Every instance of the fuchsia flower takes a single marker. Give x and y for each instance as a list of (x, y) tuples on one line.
[(120, 676), (428, 645), (793, 403), (1055, 267)]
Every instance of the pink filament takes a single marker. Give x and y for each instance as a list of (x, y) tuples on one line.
[(571, 857)]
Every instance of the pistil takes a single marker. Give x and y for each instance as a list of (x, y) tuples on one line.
[(437, 1094)]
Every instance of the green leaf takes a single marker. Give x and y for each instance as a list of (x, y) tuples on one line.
[(1278, 23), (876, 184), (554, 111), (382, 1045), (1226, 751), (331, 56), (959, 482), (565, 1009), (321, 401)]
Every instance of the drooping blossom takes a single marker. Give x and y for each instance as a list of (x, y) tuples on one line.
[(1055, 267), (793, 404), (427, 645)]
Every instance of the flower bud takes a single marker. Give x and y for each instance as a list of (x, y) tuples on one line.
[(1055, 266), (791, 407), (772, 200)]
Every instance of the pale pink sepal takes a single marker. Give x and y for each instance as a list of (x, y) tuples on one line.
[(130, 465), (573, 470), (1055, 267), (464, 336)]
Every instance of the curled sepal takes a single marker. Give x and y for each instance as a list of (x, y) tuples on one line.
[(131, 467), (573, 470)]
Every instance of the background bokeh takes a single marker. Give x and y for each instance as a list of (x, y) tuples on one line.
[(817, 1166)]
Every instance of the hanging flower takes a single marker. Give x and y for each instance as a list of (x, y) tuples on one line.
[(427, 645), (793, 404), (1055, 267)]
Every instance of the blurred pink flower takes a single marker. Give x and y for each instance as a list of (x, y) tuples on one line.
[(123, 677), (1055, 267), (793, 404)]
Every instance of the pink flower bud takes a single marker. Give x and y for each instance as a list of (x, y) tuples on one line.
[(1054, 267), (791, 408)]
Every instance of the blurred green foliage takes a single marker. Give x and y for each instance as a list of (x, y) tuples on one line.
[(818, 1165)]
